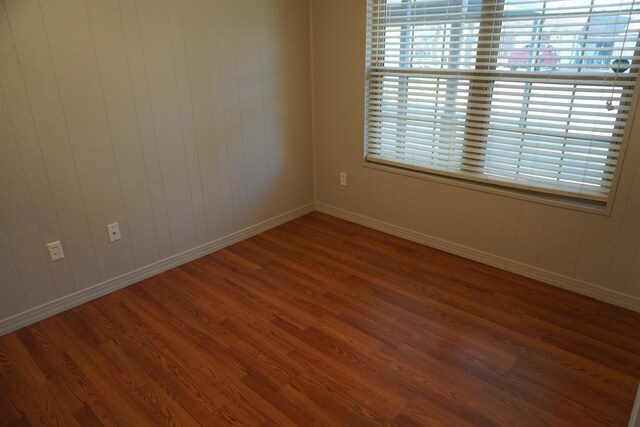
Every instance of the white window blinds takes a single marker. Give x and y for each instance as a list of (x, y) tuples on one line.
[(528, 94)]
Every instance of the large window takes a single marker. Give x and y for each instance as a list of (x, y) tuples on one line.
[(520, 93)]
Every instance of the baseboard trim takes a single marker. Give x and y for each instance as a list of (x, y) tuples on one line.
[(61, 304), (571, 284)]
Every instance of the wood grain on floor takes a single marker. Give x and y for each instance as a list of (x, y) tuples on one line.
[(323, 322)]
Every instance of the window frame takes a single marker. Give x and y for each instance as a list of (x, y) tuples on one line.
[(490, 41)]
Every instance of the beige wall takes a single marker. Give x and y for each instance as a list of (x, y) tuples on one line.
[(187, 120), (600, 250), (184, 121)]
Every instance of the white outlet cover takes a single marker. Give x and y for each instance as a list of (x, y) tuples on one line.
[(55, 250)]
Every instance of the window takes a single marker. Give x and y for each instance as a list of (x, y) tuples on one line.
[(519, 93)]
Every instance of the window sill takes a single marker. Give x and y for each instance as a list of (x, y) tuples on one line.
[(529, 196)]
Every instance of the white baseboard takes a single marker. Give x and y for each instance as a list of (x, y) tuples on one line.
[(61, 304), (575, 285)]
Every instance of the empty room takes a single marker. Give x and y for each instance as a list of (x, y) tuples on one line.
[(319, 212)]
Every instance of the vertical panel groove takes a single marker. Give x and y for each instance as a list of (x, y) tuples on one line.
[(180, 115), (198, 154), (240, 120), (225, 142), (155, 132), (262, 97)]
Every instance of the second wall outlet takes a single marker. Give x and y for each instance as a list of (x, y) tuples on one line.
[(343, 178), (114, 232)]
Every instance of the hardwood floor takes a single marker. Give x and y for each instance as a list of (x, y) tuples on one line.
[(321, 321)]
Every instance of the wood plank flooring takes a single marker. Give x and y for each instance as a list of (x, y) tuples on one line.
[(323, 322)]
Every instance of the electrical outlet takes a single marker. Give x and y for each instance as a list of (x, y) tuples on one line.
[(55, 250), (114, 232), (343, 179)]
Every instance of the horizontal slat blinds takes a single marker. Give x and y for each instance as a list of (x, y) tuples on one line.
[(529, 94)]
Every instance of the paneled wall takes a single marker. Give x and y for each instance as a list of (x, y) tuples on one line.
[(183, 120), (600, 250)]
